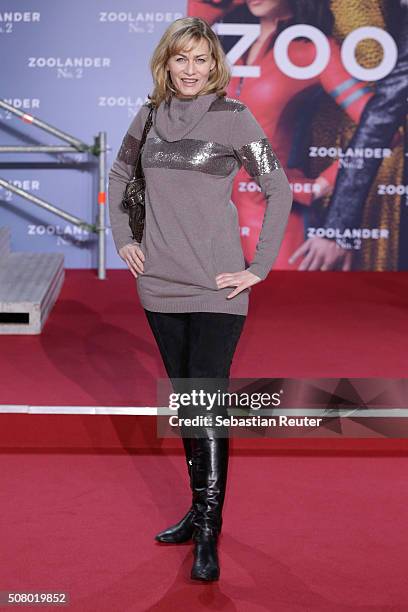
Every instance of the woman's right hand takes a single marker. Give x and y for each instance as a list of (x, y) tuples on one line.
[(133, 255), (322, 254)]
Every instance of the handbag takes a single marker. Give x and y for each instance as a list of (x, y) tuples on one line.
[(134, 196)]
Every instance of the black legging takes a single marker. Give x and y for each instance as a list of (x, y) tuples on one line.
[(201, 345), (196, 344)]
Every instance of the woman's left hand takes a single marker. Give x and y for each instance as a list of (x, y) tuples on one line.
[(240, 280)]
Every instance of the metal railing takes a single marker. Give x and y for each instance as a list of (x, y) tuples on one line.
[(98, 149)]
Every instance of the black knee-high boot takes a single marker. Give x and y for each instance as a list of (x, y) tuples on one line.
[(209, 478), (183, 530)]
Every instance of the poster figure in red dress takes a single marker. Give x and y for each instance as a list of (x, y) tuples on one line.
[(277, 100)]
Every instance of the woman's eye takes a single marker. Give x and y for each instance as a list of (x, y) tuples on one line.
[(201, 59)]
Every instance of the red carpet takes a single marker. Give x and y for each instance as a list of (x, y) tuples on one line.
[(304, 529), (301, 533), (97, 350)]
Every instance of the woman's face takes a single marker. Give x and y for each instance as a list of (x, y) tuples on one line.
[(262, 8), (190, 70)]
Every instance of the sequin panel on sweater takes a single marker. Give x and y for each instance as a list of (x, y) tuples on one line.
[(258, 157), (129, 149), (189, 154)]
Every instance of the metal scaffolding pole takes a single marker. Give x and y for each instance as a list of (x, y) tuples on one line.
[(99, 149), (101, 229), (50, 207)]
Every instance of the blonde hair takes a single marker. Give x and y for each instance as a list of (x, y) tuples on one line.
[(176, 39)]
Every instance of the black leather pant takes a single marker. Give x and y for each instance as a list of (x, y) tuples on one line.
[(201, 345)]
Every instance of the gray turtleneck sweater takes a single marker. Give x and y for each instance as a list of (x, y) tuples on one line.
[(193, 151)]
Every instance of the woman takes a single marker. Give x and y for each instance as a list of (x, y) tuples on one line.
[(191, 255), (283, 106)]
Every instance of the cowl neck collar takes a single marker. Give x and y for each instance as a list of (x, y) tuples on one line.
[(176, 118)]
